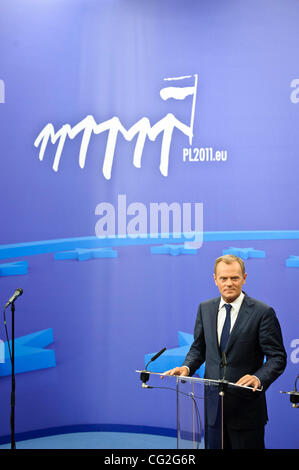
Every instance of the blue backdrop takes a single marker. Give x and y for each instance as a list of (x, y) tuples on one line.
[(93, 308)]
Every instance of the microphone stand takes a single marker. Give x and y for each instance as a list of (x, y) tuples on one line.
[(144, 376), (11, 350), (222, 389), (13, 383)]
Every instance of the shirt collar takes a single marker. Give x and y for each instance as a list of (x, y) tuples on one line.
[(235, 304)]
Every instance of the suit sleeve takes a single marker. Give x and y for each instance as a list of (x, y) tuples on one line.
[(271, 343), (196, 355)]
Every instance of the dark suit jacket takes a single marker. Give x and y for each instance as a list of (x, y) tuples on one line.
[(256, 334)]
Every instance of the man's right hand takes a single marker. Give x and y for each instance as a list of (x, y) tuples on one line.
[(181, 371)]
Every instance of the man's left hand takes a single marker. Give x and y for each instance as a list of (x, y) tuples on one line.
[(249, 381)]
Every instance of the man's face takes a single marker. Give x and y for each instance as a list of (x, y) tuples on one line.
[(229, 280)]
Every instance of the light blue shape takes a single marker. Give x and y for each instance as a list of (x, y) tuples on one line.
[(251, 235), (244, 253), (173, 250), (64, 244), (185, 338), (292, 262), (83, 254), (29, 353), (2, 352), (98, 440), (14, 269), (173, 357)]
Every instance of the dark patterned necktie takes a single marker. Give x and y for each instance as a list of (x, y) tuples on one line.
[(226, 328)]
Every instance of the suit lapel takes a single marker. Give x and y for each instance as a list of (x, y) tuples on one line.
[(241, 321), (213, 316)]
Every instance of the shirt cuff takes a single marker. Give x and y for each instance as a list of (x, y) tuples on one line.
[(260, 385)]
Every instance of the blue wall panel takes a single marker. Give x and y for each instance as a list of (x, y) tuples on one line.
[(89, 71)]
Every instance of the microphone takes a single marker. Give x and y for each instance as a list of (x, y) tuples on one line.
[(156, 356), (16, 294), (294, 395), (144, 376)]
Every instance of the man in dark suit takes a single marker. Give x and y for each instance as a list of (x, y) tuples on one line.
[(232, 335)]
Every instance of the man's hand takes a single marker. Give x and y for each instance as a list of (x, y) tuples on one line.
[(181, 371), (249, 381)]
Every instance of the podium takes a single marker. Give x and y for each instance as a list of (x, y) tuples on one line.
[(194, 396)]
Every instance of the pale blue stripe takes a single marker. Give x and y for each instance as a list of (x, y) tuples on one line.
[(52, 246)]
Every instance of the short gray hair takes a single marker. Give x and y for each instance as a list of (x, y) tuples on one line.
[(229, 259)]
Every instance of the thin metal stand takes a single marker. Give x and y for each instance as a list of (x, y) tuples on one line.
[(178, 412), (222, 389), (13, 383)]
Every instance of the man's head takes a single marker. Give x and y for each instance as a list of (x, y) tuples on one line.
[(229, 276)]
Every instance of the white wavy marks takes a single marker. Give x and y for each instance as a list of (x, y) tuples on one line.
[(142, 129), (178, 93)]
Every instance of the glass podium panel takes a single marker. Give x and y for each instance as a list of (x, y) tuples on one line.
[(194, 396), (197, 399), (190, 415)]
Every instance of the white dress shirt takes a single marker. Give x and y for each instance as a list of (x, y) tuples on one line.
[(236, 305)]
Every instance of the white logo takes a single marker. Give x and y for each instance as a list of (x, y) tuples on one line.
[(142, 129)]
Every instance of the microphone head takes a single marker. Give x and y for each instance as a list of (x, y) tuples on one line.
[(158, 355), (20, 291)]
